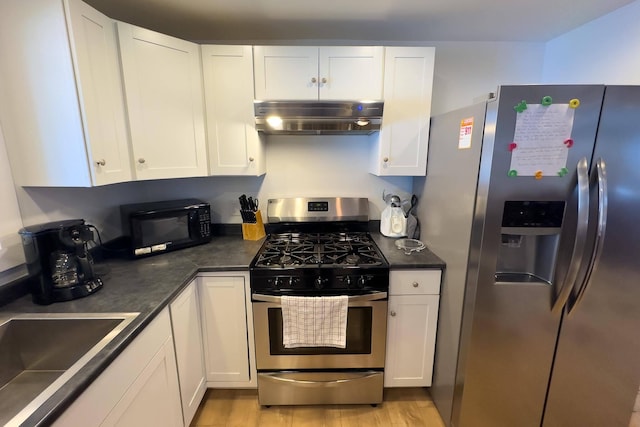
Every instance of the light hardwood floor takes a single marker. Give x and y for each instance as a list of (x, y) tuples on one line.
[(407, 407)]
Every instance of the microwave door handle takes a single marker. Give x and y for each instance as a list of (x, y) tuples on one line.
[(374, 296), (580, 237), (600, 233)]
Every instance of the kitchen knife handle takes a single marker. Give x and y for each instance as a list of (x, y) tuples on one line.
[(580, 237), (603, 205)]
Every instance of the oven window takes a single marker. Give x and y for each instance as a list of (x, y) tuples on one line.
[(161, 230), (359, 320)]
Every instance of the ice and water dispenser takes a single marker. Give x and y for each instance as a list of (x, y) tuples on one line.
[(530, 235)]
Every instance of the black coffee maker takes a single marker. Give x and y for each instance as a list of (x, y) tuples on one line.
[(59, 264)]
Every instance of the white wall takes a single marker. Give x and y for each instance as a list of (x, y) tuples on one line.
[(465, 71), (605, 50), (11, 253), (309, 166)]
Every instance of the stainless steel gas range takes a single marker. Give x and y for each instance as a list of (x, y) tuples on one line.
[(320, 247)]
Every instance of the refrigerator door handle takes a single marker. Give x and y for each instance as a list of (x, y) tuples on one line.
[(599, 238), (582, 171)]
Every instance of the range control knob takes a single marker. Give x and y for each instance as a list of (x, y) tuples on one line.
[(362, 280), (348, 281), (276, 282)]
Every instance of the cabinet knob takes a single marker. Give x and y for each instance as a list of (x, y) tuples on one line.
[(251, 159), (314, 80), (324, 80), (393, 313), (141, 160), (101, 162), (386, 159), (415, 284)]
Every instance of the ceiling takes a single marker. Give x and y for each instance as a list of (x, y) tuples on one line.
[(357, 20)]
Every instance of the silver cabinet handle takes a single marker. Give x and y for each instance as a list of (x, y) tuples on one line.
[(251, 159), (415, 284), (392, 313), (324, 80), (314, 80), (101, 162), (603, 205), (141, 160), (386, 159), (580, 238)]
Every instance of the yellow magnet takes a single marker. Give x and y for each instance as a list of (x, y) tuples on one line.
[(574, 103), (538, 175)]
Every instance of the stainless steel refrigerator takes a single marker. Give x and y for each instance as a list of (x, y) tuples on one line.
[(533, 200)]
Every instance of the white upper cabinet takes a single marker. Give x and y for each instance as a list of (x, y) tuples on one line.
[(318, 73), (235, 148), (62, 106), (164, 96), (400, 148)]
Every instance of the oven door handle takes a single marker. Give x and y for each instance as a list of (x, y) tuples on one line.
[(374, 296)]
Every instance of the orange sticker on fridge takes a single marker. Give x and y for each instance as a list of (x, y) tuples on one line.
[(466, 129)]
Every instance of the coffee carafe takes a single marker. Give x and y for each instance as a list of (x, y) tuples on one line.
[(58, 260)]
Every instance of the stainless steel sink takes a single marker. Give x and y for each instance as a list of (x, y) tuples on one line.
[(40, 352)]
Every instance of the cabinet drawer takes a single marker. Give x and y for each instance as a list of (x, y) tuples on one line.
[(414, 282)]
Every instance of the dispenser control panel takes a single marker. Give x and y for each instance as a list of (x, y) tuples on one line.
[(547, 214)]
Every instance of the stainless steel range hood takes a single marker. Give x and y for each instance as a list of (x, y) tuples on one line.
[(318, 117)]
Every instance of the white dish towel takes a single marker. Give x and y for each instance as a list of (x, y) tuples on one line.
[(314, 321)]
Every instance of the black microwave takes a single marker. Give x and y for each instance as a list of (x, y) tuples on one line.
[(157, 227)]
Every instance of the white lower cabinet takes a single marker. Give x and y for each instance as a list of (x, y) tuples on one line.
[(411, 327), (187, 338), (227, 323), (140, 387)]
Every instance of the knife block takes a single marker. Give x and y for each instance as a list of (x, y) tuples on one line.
[(253, 231)]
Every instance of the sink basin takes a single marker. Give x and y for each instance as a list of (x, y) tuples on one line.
[(40, 352)]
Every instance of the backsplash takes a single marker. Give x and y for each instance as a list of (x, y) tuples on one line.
[(308, 166)]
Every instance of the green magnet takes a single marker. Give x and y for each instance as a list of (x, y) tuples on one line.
[(563, 172), (547, 100), (521, 106), (513, 172)]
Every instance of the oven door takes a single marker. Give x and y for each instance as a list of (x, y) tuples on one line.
[(366, 337)]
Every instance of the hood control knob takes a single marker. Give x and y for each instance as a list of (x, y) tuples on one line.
[(319, 282)]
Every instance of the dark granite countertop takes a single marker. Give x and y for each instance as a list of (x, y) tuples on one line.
[(147, 285), (397, 258)]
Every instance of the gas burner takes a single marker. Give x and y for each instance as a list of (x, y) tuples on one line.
[(352, 259), (286, 260)]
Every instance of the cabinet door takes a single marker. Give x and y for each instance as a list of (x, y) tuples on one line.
[(403, 140), (139, 388), (350, 72), (411, 335), (285, 72), (163, 87), (225, 328), (95, 45), (152, 400), (187, 339), (234, 145)]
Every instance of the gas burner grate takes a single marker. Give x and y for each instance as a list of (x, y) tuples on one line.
[(313, 249)]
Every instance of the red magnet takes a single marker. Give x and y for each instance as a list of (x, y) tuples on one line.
[(513, 146), (568, 142)]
